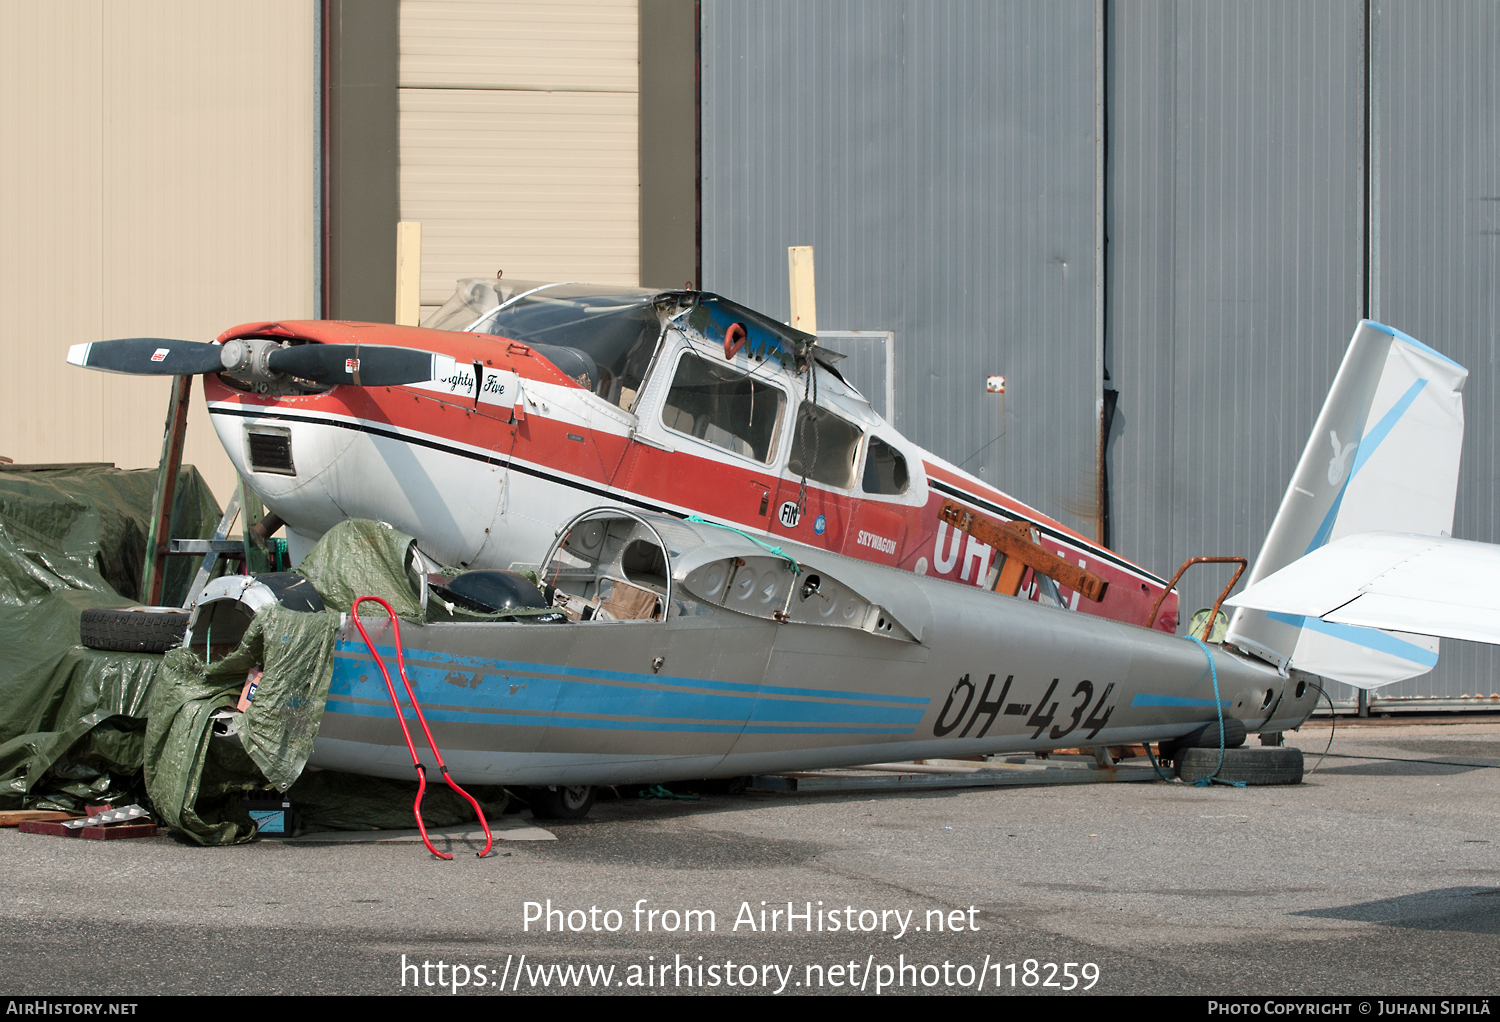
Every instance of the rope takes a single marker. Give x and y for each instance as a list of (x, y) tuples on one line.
[(796, 568), (1156, 766), (812, 399), (1213, 778)]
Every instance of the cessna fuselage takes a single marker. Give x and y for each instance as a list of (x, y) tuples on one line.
[(692, 408)]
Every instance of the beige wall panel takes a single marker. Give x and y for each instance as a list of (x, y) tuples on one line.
[(50, 254), (198, 214), (544, 185), (480, 44), (208, 185)]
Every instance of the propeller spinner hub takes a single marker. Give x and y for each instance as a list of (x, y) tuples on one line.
[(249, 359)]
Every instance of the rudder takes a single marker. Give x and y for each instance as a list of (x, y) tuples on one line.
[(1383, 456)]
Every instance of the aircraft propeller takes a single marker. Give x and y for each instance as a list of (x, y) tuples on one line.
[(263, 360)]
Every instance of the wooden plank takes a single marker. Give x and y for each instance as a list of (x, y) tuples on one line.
[(154, 570), (53, 828), (116, 831), (799, 265), (55, 466), (408, 272), (13, 817)]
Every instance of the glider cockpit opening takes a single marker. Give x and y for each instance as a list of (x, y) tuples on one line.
[(609, 564)]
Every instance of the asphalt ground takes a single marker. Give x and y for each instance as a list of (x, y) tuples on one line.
[(1378, 875)]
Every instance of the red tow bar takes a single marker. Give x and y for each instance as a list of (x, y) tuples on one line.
[(489, 841)]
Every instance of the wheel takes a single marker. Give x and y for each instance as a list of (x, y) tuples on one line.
[(1255, 765), (133, 629), (559, 802)]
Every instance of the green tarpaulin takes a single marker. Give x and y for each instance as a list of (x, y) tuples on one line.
[(72, 720), (80, 726), (190, 776)]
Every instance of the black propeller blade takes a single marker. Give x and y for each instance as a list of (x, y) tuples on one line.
[(363, 365), (148, 356), (359, 365)]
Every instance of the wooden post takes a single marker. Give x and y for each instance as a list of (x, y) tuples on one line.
[(799, 265), (158, 538), (408, 273)]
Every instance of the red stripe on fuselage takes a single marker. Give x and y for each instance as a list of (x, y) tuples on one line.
[(880, 531)]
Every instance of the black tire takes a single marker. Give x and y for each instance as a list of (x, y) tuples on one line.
[(1254, 765), (1206, 737), (133, 629), (562, 802)]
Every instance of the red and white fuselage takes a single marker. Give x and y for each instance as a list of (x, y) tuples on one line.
[(484, 467)]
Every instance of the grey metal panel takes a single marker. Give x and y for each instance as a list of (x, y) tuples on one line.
[(1436, 96), (941, 159), (1234, 262)]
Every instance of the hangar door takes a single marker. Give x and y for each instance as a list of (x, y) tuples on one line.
[(518, 140)]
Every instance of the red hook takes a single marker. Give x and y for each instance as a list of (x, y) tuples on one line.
[(734, 340), (489, 841)]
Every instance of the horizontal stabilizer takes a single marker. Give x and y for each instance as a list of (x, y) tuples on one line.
[(1430, 585)]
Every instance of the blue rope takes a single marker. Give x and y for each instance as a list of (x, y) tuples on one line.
[(1157, 766), (1213, 778), (796, 568)]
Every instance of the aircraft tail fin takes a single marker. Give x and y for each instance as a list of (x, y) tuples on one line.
[(1383, 456)]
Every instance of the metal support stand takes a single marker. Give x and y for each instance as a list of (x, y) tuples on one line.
[(257, 549), (1364, 702), (214, 549), (167, 470)]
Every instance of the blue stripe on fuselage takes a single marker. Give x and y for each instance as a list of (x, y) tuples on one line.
[(466, 691), (488, 666), (1145, 699), (609, 723)]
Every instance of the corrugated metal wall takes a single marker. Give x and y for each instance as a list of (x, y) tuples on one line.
[(1235, 261), (941, 160), (1437, 221), (938, 158), (518, 143), (156, 179)]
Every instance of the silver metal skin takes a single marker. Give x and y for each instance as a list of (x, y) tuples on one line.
[(755, 669)]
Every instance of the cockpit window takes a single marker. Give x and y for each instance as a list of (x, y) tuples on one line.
[(885, 469), (602, 337), (727, 408), (824, 447)]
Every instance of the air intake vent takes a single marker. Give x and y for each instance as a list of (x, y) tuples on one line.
[(270, 449)]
